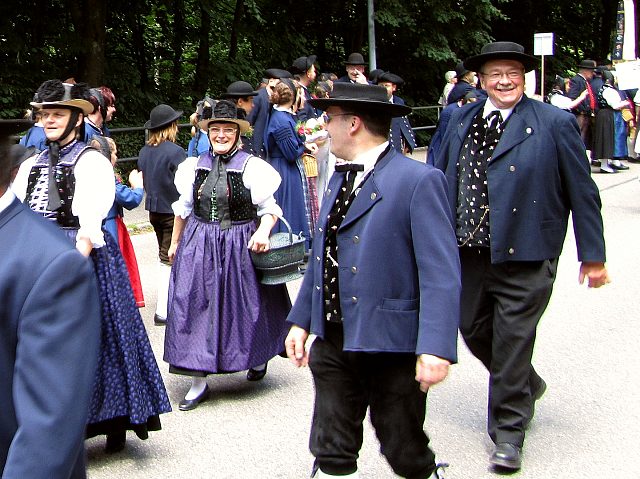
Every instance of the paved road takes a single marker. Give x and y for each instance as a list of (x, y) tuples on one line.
[(587, 425)]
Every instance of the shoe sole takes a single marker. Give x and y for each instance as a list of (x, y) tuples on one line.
[(504, 464)]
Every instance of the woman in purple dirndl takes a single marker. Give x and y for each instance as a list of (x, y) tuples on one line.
[(221, 319), (72, 184)]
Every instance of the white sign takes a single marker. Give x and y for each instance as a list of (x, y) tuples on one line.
[(628, 75), (543, 44)]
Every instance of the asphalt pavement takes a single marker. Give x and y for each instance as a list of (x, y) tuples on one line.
[(586, 425)]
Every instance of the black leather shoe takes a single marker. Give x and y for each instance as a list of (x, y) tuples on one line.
[(535, 395), (618, 166), (115, 442), (189, 404), (506, 456), (256, 374), (596, 163), (159, 320), (607, 169)]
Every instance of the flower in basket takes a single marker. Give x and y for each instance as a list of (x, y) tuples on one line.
[(312, 130)]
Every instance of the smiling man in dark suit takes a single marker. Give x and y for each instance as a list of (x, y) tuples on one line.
[(381, 292), (49, 331), (516, 168)]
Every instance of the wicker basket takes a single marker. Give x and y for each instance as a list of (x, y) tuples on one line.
[(310, 165), (283, 260)]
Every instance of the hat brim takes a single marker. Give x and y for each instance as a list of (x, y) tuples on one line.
[(239, 95), (475, 62), (83, 105), (11, 127), (243, 124), (149, 125), (382, 107)]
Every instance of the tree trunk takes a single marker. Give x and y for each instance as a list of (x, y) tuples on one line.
[(233, 40), (201, 77), (175, 90), (89, 18)]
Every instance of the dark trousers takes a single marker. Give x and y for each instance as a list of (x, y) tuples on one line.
[(586, 123), (345, 384), (501, 305), (163, 226)]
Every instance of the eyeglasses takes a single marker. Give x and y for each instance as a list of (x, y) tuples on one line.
[(330, 117), (216, 130), (495, 76)]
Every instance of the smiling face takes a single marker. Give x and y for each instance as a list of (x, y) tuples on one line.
[(223, 136), (504, 82), (353, 70), (55, 121)]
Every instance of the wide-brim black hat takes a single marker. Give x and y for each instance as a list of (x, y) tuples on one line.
[(11, 127), (461, 70), (225, 111), (302, 64), (587, 64), (361, 98), (391, 78), (56, 94), (355, 59), (501, 51), (18, 154), (239, 89), (162, 115), (277, 73)]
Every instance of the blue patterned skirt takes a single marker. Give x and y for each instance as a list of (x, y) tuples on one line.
[(221, 319), (128, 391)]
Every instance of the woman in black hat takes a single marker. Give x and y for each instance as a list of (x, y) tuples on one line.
[(221, 319), (284, 149), (72, 185), (158, 161)]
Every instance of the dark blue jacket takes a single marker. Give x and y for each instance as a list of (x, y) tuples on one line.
[(158, 165), (399, 268), (538, 174)]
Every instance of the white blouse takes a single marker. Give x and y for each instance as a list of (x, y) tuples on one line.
[(95, 192), (258, 176)]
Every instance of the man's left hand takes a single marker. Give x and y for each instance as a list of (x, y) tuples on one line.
[(596, 272), (430, 370)]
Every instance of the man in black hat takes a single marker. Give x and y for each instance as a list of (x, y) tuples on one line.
[(401, 135), (516, 169), (381, 292), (305, 72), (585, 112), (355, 66), (259, 114), (466, 82), (241, 93), (49, 333)]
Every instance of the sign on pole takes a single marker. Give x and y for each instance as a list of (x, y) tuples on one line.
[(542, 46)]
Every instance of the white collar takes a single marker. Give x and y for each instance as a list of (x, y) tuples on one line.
[(489, 107)]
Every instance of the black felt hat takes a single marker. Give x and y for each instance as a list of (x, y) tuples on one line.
[(302, 64), (587, 64), (11, 127), (356, 97), (355, 59), (390, 77), (239, 89), (277, 73), (461, 70), (162, 115), (501, 51), (227, 112)]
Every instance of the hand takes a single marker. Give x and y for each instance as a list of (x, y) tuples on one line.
[(430, 370), (584, 94), (312, 147), (295, 346), (135, 179), (596, 272), (361, 78), (259, 241), (84, 245), (172, 251)]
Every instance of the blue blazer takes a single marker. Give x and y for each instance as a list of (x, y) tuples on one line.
[(49, 334), (538, 174), (401, 129), (158, 165), (399, 268), (258, 118)]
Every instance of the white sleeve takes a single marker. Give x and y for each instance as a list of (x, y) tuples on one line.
[(262, 180), (611, 96), (19, 185), (184, 179), (94, 194), (561, 101)]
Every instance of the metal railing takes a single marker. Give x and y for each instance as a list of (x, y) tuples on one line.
[(134, 129)]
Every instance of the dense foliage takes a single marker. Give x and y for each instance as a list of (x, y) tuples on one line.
[(175, 51)]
